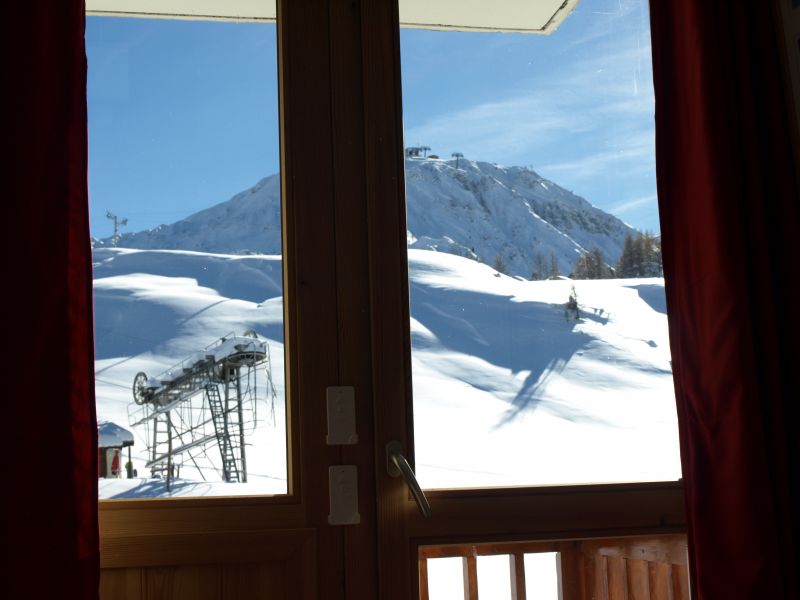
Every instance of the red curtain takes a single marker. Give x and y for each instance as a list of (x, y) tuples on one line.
[(728, 195), (50, 464)]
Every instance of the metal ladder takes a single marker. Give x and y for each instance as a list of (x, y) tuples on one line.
[(219, 414), (160, 463)]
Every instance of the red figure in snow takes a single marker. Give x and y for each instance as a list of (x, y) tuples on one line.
[(115, 464)]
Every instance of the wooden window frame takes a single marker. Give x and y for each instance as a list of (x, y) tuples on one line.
[(474, 515), (347, 58)]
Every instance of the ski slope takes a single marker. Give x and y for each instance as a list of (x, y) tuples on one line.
[(510, 388), (152, 309)]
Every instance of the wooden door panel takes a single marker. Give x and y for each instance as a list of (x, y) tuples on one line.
[(198, 582), (269, 565)]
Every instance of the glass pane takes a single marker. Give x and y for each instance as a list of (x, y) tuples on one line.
[(494, 576), (541, 575), (540, 349), (445, 579), (185, 211)]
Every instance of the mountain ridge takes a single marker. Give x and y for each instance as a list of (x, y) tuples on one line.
[(509, 217)]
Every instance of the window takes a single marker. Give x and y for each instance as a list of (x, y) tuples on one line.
[(538, 317), (188, 279), (346, 325)]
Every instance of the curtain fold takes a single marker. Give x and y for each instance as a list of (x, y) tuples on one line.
[(728, 202), (51, 459)]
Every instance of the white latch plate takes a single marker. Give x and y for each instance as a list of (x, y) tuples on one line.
[(343, 491), (341, 401)]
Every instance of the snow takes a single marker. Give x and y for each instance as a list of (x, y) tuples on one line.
[(111, 435), (480, 210), (531, 395), (485, 211), (230, 347), (509, 389), (155, 308)]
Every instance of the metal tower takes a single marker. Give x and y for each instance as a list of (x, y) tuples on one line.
[(205, 401), (118, 222)]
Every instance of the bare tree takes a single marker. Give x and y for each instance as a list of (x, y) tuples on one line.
[(500, 265)]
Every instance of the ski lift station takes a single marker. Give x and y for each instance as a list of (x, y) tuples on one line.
[(199, 412), (112, 439)]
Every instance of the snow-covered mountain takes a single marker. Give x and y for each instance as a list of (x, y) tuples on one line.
[(478, 210), (485, 211)]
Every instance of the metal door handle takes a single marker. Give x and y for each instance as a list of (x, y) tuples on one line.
[(397, 466)]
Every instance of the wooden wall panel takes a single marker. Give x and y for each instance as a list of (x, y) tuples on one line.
[(196, 582), (200, 582), (122, 584), (636, 568), (597, 576), (680, 582), (263, 581), (638, 580), (660, 581), (617, 578), (257, 565)]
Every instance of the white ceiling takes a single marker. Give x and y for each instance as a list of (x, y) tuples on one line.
[(530, 16)]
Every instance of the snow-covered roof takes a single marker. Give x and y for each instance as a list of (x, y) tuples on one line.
[(111, 435), (233, 346)]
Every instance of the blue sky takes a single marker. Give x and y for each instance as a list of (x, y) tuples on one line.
[(183, 115)]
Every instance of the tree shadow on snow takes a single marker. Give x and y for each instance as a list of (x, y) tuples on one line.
[(520, 336), (154, 488), (127, 325)]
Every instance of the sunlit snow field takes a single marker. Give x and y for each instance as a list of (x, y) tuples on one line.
[(152, 309), (509, 387)]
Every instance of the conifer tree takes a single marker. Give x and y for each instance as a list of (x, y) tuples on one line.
[(660, 261), (625, 265), (553, 267), (641, 257), (539, 267), (651, 266), (592, 265)]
